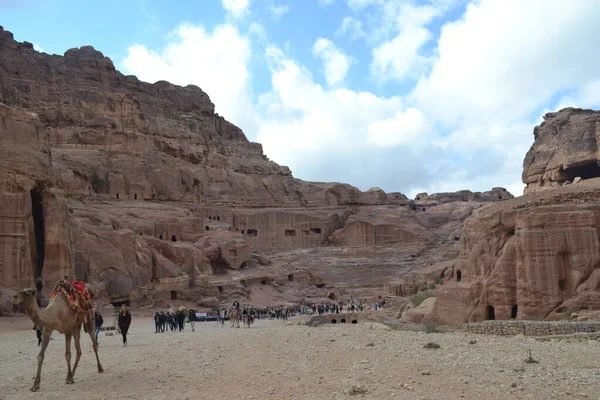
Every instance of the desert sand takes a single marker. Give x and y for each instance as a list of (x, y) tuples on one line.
[(275, 360)]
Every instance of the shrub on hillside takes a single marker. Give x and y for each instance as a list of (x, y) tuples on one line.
[(420, 297)]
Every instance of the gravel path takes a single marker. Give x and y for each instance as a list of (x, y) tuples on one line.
[(272, 360)]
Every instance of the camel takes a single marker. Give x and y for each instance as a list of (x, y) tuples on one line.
[(234, 317), (57, 317)]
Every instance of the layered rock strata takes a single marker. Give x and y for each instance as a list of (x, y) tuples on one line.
[(145, 192), (565, 150)]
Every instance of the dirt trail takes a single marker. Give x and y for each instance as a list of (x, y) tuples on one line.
[(272, 360)]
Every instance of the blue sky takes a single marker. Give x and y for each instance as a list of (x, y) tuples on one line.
[(406, 95)]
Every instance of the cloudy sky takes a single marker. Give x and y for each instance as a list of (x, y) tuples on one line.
[(406, 95)]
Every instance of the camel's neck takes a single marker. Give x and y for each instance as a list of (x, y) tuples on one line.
[(37, 315)]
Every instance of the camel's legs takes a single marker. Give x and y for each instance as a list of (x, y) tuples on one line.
[(68, 336), (45, 341), (92, 333), (77, 337)]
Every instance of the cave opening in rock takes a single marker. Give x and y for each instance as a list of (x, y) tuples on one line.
[(291, 277), (343, 320), (135, 196), (334, 321), (207, 228), (119, 303), (290, 232), (320, 285), (218, 218), (513, 312), (458, 275), (219, 267), (173, 295), (354, 321), (562, 284), (37, 213), (331, 296), (252, 232), (315, 230), (220, 289), (586, 170), (117, 196), (173, 238), (160, 237), (491, 314), (263, 282)]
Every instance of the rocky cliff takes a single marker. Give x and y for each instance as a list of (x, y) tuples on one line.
[(535, 257), (565, 148), (146, 193)]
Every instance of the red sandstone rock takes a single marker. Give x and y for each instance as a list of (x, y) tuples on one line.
[(565, 148), (536, 257), (146, 193)]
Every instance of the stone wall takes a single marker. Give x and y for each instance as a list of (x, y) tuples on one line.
[(532, 328)]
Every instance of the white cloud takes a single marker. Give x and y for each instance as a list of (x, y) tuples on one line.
[(491, 78), (586, 96), (401, 56), (343, 135), (336, 62), (357, 5), (405, 128), (351, 27), (39, 48), (493, 69), (278, 11), (467, 123), (237, 8), (215, 61)]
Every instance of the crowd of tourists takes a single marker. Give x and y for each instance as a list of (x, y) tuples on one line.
[(174, 321)]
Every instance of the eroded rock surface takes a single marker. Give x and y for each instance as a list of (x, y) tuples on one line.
[(146, 193), (533, 258), (565, 149)]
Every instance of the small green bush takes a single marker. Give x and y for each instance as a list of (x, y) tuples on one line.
[(420, 297), (432, 327)]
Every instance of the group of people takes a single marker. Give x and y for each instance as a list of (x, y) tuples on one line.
[(174, 320), (123, 320)]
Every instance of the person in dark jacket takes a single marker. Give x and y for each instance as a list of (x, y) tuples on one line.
[(181, 320), (99, 321), (124, 322), (192, 318), (157, 322)]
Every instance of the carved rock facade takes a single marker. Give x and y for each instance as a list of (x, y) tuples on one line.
[(142, 190)]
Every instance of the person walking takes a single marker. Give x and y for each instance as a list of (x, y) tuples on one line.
[(124, 322), (99, 321), (192, 318)]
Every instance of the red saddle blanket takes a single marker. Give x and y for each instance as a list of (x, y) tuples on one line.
[(77, 293)]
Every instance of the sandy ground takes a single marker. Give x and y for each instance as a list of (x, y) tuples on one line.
[(272, 360)]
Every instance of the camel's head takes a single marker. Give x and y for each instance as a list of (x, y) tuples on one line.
[(23, 296)]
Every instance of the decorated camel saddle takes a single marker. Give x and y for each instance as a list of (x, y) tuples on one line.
[(77, 293)]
